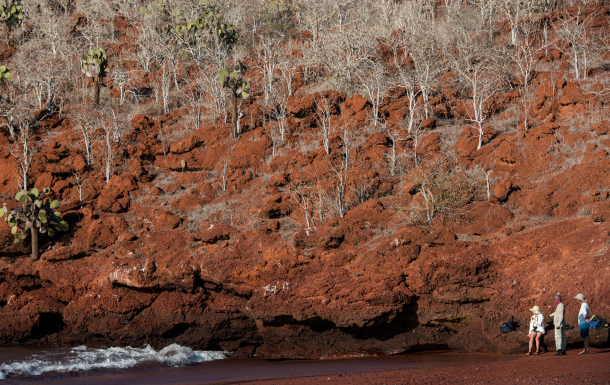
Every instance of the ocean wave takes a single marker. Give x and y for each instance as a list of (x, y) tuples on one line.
[(82, 358)]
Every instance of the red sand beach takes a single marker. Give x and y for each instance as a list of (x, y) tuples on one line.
[(415, 368), (593, 368)]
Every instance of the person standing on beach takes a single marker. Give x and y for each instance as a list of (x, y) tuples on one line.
[(560, 326), (583, 321), (536, 329)]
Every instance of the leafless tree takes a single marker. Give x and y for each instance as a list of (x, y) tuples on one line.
[(222, 171), (23, 149), (147, 43), (279, 109), (340, 168), (112, 126), (162, 81), (488, 169), (515, 12), (289, 66), (301, 195), (524, 53), (373, 78), (270, 57), (406, 77), (475, 63), (206, 91), (124, 79), (415, 136), (96, 35), (388, 11), (164, 136), (105, 10), (324, 112), (396, 136), (79, 181), (87, 124), (360, 185), (487, 10), (12, 106), (427, 62), (417, 43), (341, 53), (195, 94), (578, 38), (314, 16), (52, 30), (46, 81)]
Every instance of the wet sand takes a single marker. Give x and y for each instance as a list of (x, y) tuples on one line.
[(235, 371), (416, 368), (592, 369)]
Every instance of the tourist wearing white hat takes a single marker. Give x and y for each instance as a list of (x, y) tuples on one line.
[(536, 329), (583, 321)]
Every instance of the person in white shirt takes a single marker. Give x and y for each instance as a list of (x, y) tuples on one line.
[(536, 329), (559, 321), (583, 321)]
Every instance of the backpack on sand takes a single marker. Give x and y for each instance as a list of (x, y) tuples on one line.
[(507, 327)]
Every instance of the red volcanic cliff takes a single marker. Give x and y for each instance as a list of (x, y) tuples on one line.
[(219, 255)]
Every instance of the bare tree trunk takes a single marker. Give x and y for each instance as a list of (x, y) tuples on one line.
[(35, 252), (480, 128), (234, 115), (96, 90), (9, 36)]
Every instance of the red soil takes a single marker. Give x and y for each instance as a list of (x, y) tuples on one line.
[(163, 255)]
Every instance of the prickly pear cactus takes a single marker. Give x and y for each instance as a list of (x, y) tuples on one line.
[(4, 74), (36, 216), (150, 7), (209, 28), (94, 63), (11, 14), (210, 22), (94, 66), (233, 79)]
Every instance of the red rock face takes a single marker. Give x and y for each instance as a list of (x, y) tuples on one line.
[(244, 249)]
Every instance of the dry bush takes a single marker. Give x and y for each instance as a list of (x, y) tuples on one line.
[(202, 213), (508, 121), (444, 187), (567, 155)]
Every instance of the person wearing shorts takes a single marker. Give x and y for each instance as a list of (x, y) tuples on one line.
[(583, 321), (536, 330)]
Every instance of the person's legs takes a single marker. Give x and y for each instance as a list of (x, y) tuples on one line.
[(538, 335), (564, 342), (584, 333), (586, 344), (532, 335), (558, 340)]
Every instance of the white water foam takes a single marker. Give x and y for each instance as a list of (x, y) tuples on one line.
[(84, 359)]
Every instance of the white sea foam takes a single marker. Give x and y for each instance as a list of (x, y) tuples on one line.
[(82, 358)]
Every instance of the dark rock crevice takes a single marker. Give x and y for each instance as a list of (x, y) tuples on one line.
[(48, 323)]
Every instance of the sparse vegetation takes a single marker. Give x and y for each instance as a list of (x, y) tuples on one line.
[(36, 216), (311, 86)]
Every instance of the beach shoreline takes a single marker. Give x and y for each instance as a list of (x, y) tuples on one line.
[(546, 368), (433, 367)]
